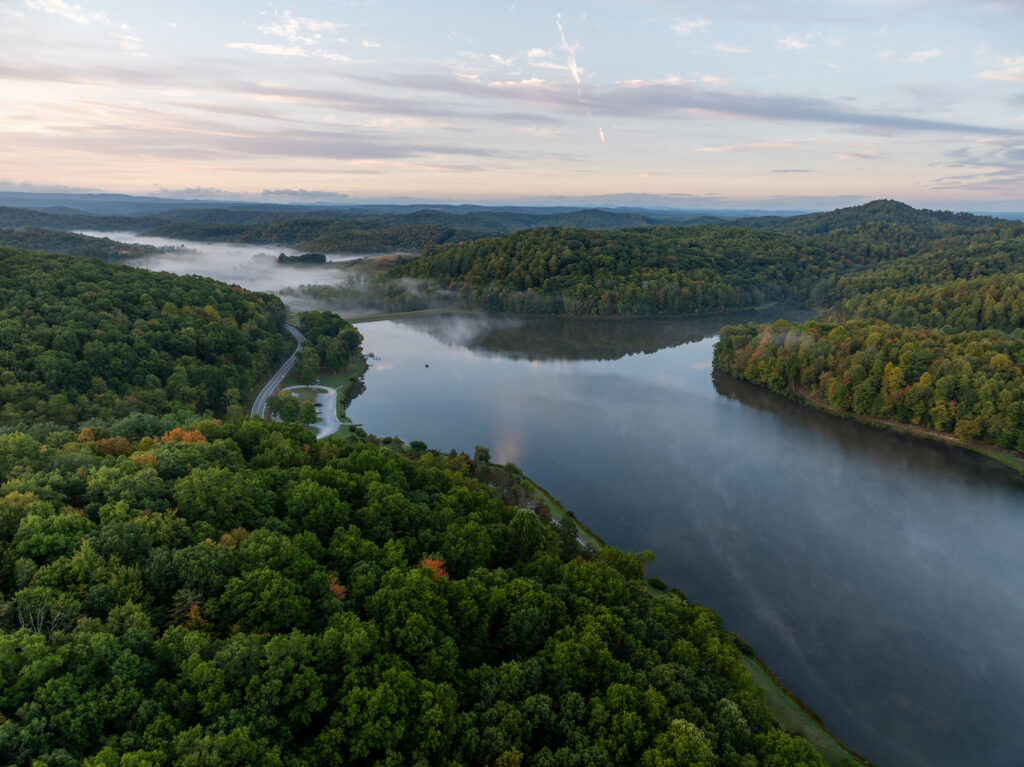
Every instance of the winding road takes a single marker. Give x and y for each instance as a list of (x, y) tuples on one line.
[(259, 407)]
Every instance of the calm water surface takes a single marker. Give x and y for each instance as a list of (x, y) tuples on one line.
[(879, 576)]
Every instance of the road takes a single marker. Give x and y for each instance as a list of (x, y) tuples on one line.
[(259, 407)]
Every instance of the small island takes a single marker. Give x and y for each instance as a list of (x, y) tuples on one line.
[(305, 258)]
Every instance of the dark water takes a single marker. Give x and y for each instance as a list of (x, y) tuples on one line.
[(878, 575)]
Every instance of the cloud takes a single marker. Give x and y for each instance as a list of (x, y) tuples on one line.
[(7, 185), (1013, 70), (69, 11), (268, 49), (993, 165), (640, 99), (369, 44), (792, 43), (297, 29), (302, 194), (570, 51), (793, 170), (686, 26), (756, 145), (922, 56), (275, 49), (713, 80), (129, 44), (178, 142), (725, 48)]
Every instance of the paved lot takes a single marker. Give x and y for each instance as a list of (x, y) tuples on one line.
[(327, 421)]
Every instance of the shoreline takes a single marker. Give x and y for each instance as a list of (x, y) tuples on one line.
[(802, 396), (789, 712), (792, 714)]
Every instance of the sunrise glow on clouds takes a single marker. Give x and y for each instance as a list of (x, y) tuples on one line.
[(729, 101)]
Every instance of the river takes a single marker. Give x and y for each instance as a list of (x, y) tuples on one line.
[(878, 575)]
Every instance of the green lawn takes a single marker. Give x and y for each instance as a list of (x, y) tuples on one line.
[(794, 719)]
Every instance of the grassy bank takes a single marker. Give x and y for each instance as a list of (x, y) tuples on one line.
[(788, 710), (798, 719)]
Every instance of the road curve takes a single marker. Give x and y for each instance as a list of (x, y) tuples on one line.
[(259, 407)]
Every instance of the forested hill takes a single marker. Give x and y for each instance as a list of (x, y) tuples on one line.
[(242, 594), (661, 270), (82, 339), (71, 244), (875, 213), (334, 229), (817, 260), (932, 339)]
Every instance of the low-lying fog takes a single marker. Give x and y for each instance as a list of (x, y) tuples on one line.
[(253, 267)]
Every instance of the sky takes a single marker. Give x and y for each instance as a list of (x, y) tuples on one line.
[(734, 103)]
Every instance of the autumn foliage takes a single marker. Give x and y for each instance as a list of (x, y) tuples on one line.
[(435, 567), (338, 590), (180, 435)]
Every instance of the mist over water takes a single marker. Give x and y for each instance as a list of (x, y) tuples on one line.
[(878, 575), (253, 267)]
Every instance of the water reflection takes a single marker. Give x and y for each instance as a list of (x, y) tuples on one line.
[(568, 338), (877, 574)]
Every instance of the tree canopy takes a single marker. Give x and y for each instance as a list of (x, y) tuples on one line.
[(81, 339)]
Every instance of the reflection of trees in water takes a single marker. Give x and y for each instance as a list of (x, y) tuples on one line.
[(918, 457), (569, 338)]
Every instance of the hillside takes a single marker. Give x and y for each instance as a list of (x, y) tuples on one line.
[(71, 244), (875, 213), (817, 260), (660, 270), (176, 589), (82, 339)]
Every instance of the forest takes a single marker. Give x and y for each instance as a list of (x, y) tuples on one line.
[(968, 385), (238, 593), (334, 230), (815, 260), (180, 584), (71, 244), (932, 340), (82, 339)]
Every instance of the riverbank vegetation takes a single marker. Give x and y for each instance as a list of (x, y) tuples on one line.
[(967, 385), (933, 341)]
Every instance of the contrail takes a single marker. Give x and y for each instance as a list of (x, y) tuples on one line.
[(574, 69)]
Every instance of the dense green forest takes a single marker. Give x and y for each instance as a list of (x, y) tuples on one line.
[(82, 339), (932, 339), (238, 593), (660, 270), (969, 385), (302, 259), (816, 260), (71, 244), (177, 589)]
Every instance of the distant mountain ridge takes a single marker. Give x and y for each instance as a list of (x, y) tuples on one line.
[(874, 212)]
